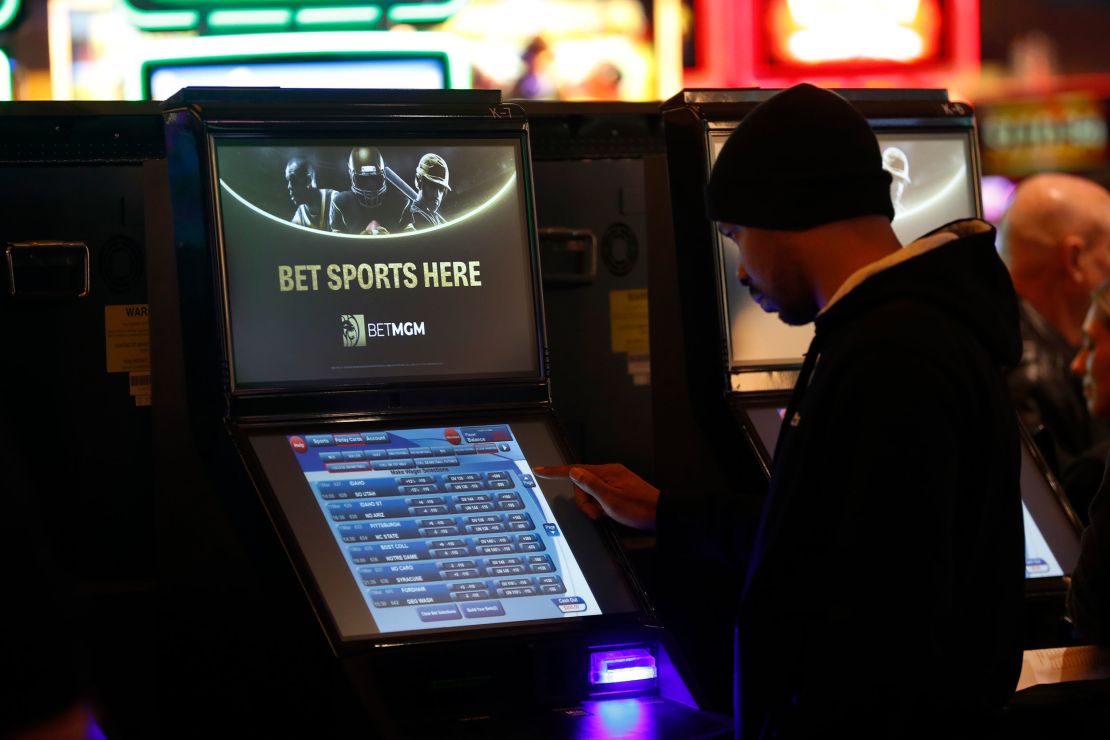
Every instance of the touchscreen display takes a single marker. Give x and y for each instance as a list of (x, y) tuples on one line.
[(932, 183), (1039, 560), (364, 261), (440, 528)]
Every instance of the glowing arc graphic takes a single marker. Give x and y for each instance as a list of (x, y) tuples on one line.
[(468, 215), (958, 179)]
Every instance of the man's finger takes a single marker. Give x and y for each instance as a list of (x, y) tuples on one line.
[(554, 471), (591, 484), (587, 505)]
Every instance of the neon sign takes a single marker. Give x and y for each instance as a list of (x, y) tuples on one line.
[(847, 43), (273, 15), (851, 32), (9, 9), (1066, 132)]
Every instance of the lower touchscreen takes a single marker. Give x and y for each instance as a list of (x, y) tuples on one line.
[(1039, 560), (443, 527)]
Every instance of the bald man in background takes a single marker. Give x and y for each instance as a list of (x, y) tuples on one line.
[(1055, 240)]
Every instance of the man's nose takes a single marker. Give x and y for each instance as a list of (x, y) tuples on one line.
[(742, 275), (1079, 364)]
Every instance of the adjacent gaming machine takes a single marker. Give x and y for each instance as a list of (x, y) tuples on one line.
[(602, 207), (738, 364), (368, 391), (75, 197)]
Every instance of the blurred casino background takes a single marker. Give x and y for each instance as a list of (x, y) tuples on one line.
[(1037, 71)]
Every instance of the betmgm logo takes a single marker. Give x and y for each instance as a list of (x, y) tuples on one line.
[(355, 330), (353, 326)]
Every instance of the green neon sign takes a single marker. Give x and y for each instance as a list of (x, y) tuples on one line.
[(261, 18), (5, 77), (8, 11), (297, 47), (181, 20), (424, 12), (354, 15), (272, 15)]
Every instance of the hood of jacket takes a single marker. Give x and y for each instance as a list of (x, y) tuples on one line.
[(963, 277)]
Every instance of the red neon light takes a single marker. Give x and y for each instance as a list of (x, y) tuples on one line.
[(850, 33), (744, 43)]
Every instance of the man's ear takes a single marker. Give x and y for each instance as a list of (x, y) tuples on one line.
[(1076, 257)]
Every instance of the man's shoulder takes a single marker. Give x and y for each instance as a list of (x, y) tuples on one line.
[(342, 197), (906, 322), (904, 344), (953, 295)]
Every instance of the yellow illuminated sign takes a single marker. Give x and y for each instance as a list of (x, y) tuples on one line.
[(1068, 132)]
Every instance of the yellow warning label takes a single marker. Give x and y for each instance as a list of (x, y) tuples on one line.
[(127, 338), (628, 320)]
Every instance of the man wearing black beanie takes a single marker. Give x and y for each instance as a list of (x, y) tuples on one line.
[(884, 579)]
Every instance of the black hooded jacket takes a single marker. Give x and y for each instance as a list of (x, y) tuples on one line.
[(884, 585)]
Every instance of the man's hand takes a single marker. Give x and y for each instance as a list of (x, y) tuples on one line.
[(613, 490)]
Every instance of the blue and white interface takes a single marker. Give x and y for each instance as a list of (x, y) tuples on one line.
[(443, 527), (1039, 560)]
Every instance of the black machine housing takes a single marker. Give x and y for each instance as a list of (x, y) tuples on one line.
[(407, 680), (76, 196), (602, 207)]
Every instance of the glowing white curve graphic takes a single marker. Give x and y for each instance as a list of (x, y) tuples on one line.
[(958, 179), (399, 235)]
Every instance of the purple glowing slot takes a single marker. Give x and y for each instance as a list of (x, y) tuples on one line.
[(622, 666)]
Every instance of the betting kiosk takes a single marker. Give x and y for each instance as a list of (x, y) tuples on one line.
[(379, 386), (75, 196), (741, 363)]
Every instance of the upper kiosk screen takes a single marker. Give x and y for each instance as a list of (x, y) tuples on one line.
[(363, 262), (932, 184)]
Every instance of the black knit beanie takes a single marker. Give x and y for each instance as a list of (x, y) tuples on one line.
[(802, 158)]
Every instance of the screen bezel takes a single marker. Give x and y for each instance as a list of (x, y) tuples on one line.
[(772, 367), (394, 130), (304, 562)]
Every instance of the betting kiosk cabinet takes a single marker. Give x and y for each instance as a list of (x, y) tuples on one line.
[(75, 195), (363, 355), (737, 364), (602, 207)]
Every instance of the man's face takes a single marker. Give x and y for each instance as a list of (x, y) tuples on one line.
[(1092, 363), (771, 274), (298, 182), (431, 194)]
